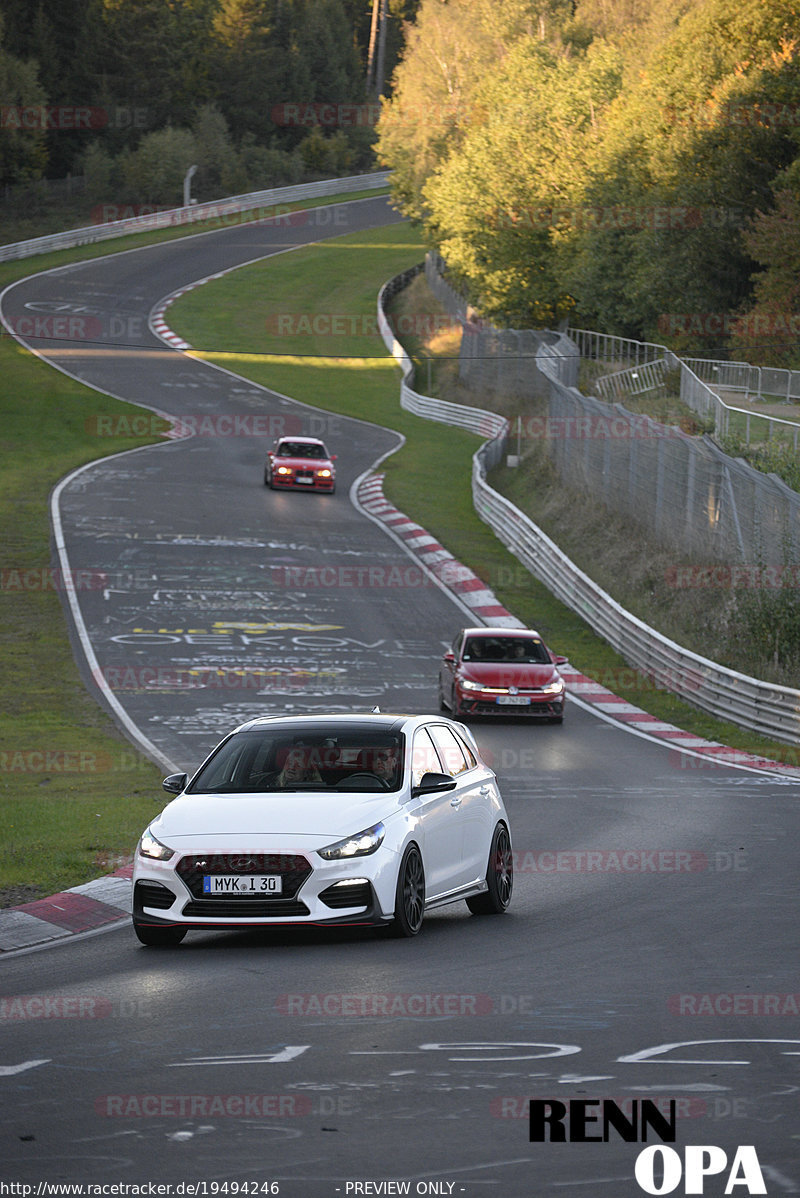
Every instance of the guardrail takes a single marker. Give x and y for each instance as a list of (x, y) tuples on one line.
[(474, 420), (771, 710), (222, 209)]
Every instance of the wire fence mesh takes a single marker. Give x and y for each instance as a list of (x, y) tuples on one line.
[(684, 488)]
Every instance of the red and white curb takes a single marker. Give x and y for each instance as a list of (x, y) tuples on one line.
[(701, 753), (463, 582), (158, 324), (80, 909)]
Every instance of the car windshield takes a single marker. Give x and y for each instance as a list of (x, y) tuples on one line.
[(264, 760), (301, 449), (526, 650)]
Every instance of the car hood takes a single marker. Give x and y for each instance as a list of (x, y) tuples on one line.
[(498, 673), (292, 816)]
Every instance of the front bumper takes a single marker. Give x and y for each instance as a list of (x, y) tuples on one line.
[(540, 706), (244, 917), (290, 484), (318, 894)]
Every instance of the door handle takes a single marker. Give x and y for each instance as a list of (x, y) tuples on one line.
[(456, 801)]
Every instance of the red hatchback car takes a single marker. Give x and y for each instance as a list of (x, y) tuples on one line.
[(501, 672), (300, 462)]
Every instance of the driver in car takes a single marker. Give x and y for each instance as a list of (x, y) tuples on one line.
[(385, 763), (297, 767)]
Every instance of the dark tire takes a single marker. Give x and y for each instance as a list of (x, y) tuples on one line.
[(442, 705), (499, 877), (409, 905), (158, 936)]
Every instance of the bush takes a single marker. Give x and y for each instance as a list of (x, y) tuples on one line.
[(771, 457), (154, 172)]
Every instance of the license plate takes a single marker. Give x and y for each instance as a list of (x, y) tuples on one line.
[(303, 478), (513, 700), (245, 884)]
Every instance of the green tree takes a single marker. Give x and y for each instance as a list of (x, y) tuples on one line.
[(220, 171), (450, 50), (499, 202), (686, 158), (97, 167), (23, 150), (767, 332), (154, 172)]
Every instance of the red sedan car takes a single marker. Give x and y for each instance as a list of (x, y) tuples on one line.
[(501, 672), (302, 463)]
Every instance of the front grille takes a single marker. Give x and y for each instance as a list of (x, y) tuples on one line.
[(292, 868), (152, 894), (247, 908), (354, 894), (508, 709)]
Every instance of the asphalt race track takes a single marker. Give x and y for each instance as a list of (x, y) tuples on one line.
[(651, 947)]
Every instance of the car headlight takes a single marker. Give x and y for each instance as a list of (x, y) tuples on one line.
[(284, 470), (150, 847), (553, 688), (469, 685), (324, 473), (360, 845)]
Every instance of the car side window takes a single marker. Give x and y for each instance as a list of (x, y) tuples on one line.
[(457, 645), (472, 760), (424, 758), (450, 750)]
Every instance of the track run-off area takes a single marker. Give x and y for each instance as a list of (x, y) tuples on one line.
[(650, 951)]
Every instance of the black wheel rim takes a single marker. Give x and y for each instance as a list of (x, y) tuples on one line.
[(504, 867), (413, 891)]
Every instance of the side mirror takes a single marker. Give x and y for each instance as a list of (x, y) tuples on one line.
[(175, 783), (559, 660), (333, 457), (430, 783), (449, 656)]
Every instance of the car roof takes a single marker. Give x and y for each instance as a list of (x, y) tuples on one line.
[(301, 440), (380, 721), (501, 631)]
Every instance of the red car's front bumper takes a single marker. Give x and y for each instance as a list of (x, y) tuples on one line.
[(549, 707), (290, 483)]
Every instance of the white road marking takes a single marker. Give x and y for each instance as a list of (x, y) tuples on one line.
[(10, 1070), (568, 1078), (261, 1058), (649, 1054)]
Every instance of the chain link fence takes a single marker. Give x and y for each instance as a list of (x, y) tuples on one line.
[(492, 359), (692, 495)]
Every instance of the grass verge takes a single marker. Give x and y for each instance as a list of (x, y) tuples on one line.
[(429, 478), (75, 793)]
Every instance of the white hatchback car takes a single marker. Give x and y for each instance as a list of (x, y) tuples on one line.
[(326, 820)]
